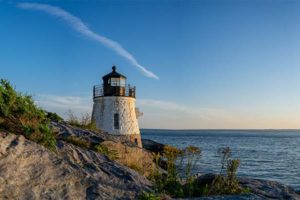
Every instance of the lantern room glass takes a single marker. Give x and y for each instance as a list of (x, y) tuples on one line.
[(117, 82)]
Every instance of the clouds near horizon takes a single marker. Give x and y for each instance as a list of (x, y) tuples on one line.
[(156, 113), (169, 115)]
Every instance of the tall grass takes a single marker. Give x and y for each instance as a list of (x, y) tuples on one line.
[(84, 121), (179, 181), (226, 181)]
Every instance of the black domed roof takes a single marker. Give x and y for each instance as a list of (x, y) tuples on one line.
[(113, 74)]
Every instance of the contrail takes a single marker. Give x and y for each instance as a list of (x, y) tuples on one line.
[(78, 25)]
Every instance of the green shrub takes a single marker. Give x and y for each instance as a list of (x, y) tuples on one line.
[(178, 181), (191, 155), (226, 182), (148, 196), (54, 117), (112, 154), (19, 115), (48, 138)]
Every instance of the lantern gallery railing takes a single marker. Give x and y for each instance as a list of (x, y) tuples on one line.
[(101, 90)]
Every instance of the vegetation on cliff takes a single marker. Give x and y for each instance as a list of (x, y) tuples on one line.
[(19, 114)]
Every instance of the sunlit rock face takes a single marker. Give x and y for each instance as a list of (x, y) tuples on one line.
[(30, 171)]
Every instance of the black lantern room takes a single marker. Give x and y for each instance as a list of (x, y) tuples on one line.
[(114, 84)]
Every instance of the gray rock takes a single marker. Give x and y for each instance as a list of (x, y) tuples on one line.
[(269, 189), (152, 146), (229, 197), (128, 153), (260, 189), (30, 171)]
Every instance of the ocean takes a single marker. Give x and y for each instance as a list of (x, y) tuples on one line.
[(264, 154)]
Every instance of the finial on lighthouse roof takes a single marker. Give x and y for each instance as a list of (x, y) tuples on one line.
[(113, 74)]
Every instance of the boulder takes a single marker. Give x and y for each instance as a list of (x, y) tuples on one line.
[(259, 189), (152, 146), (269, 189)]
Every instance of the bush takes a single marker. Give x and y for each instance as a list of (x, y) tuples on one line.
[(226, 182), (19, 114), (178, 182), (54, 117)]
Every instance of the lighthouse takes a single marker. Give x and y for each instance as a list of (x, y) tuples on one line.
[(114, 108)]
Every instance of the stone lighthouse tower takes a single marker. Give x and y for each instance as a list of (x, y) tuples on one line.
[(114, 107)]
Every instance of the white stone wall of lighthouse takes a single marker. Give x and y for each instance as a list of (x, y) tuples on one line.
[(103, 113)]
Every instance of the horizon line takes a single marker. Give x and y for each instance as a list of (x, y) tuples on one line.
[(225, 129)]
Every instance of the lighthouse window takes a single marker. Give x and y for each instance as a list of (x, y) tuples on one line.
[(117, 82), (116, 121)]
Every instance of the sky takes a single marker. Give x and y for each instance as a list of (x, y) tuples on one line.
[(205, 64)]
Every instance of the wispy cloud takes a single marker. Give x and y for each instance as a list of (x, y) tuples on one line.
[(78, 25), (172, 107)]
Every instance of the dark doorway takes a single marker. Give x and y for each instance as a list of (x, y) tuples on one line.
[(116, 121)]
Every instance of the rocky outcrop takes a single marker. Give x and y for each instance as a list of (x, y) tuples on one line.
[(269, 189), (128, 153), (259, 189), (30, 171), (153, 146)]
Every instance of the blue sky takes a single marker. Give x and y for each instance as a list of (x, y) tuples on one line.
[(221, 64)]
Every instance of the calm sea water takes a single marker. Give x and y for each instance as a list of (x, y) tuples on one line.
[(264, 154)]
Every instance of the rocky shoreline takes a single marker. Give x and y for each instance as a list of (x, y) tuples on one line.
[(30, 171), (260, 189)]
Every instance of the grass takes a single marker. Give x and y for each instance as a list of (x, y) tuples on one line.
[(149, 196), (20, 115), (78, 142), (84, 122), (110, 153), (100, 148)]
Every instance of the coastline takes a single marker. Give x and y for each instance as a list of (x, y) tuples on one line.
[(260, 188)]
